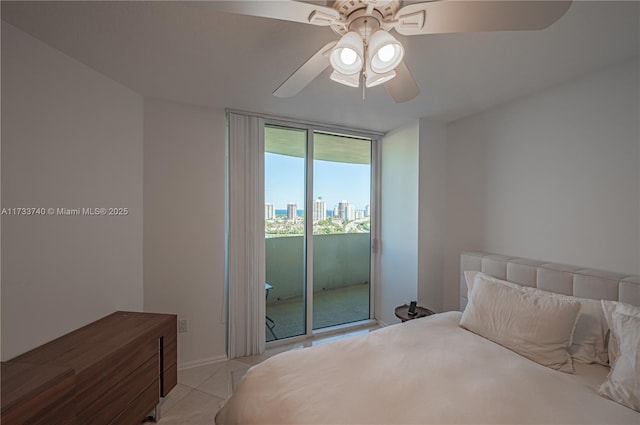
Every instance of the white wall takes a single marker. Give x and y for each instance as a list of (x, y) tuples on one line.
[(432, 213), (71, 138), (184, 223), (399, 221), (553, 176)]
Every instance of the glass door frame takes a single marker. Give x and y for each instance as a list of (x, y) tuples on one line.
[(374, 268)]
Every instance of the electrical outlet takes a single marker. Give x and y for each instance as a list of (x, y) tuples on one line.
[(183, 326)]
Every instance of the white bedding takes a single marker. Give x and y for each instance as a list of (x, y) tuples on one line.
[(426, 371)]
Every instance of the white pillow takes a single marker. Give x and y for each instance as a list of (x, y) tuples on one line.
[(469, 277), (589, 339), (537, 327), (610, 307), (623, 383)]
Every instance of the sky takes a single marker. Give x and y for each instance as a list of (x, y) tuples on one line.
[(333, 181)]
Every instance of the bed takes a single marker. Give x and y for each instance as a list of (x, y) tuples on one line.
[(432, 370)]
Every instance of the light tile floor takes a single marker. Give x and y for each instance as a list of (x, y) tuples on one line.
[(202, 390)]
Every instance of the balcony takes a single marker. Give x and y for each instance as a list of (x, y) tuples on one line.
[(340, 275)]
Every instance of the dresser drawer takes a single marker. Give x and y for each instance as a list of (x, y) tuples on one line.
[(118, 398), (97, 380), (36, 394), (62, 414), (145, 402)]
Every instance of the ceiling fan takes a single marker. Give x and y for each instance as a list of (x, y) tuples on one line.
[(368, 54)]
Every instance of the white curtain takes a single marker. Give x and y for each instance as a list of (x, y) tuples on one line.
[(246, 261)]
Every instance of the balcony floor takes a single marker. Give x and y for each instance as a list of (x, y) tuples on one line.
[(331, 307)]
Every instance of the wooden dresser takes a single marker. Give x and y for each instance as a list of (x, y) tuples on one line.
[(121, 365), (36, 394)]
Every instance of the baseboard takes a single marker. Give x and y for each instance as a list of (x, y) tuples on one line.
[(201, 362)]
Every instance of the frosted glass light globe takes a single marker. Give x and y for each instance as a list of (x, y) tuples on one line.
[(386, 53), (348, 56)]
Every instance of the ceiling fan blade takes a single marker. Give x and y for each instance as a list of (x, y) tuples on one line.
[(403, 87), (307, 72), (287, 10), (478, 15)]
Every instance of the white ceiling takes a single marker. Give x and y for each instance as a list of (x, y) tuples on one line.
[(189, 53)]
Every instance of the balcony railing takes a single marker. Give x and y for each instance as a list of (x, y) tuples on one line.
[(341, 264), (339, 260)]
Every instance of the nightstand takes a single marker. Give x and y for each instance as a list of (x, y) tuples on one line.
[(402, 312)]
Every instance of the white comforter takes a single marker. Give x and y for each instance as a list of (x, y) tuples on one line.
[(426, 371)]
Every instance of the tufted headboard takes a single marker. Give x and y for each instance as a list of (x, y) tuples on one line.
[(560, 278)]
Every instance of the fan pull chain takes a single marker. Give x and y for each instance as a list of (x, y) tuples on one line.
[(366, 58)]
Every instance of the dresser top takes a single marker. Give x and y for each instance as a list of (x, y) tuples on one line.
[(83, 347), (21, 381)]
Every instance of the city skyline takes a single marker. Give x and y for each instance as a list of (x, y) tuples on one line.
[(320, 211), (333, 181), (271, 209)]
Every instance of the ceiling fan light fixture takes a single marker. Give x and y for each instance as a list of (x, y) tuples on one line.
[(348, 80), (346, 57), (374, 79), (385, 51)]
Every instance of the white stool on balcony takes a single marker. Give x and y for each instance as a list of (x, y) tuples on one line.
[(269, 322)]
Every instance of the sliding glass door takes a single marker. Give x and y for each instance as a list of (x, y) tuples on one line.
[(284, 213), (318, 210), (341, 229)]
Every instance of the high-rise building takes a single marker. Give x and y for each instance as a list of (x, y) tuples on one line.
[(367, 211), (319, 209), (359, 214), (342, 206), (269, 212), (292, 211), (335, 211), (349, 212)]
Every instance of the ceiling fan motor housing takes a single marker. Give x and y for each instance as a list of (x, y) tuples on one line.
[(365, 25), (352, 13)]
